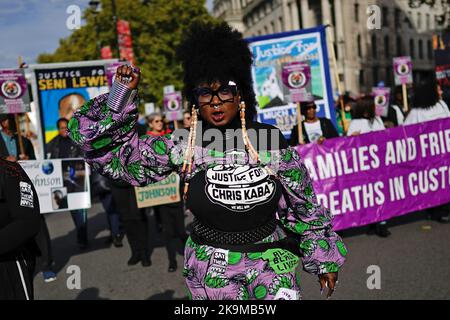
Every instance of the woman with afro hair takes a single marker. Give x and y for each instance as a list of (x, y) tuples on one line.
[(255, 212)]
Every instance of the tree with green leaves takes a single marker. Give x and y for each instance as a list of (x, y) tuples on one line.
[(157, 27)]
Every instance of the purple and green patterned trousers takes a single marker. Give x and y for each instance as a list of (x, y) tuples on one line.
[(218, 274)]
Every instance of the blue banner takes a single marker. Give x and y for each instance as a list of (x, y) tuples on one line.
[(270, 52)]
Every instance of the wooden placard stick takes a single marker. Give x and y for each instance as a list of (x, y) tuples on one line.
[(299, 121)]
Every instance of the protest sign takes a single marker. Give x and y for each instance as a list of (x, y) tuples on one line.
[(162, 192), (149, 108), (296, 78), (376, 176), (381, 98), (172, 106), (403, 70), (61, 88), (270, 53), (14, 95), (61, 184)]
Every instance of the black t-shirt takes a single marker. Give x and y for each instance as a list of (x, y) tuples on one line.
[(238, 196)]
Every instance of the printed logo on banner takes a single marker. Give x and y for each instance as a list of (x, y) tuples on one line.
[(47, 167), (11, 89)]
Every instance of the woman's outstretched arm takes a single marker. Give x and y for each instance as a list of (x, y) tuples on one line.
[(105, 128)]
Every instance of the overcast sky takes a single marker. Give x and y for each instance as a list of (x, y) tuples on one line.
[(31, 27)]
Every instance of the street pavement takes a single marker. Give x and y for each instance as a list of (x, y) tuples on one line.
[(414, 263)]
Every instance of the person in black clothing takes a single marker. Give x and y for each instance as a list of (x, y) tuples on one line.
[(314, 129), (10, 152), (61, 147), (19, 223)]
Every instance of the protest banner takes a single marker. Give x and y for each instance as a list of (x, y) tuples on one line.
[(376, 176), (296, 78), (162, 192), (403, 74), (61, 88), (270, 52), (381, 98), (61, 184), (173, 108), (125, 41), (14, 95)]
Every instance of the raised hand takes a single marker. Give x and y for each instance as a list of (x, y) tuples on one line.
[(128, 76)]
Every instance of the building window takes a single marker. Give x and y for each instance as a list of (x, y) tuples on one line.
[(374, 46), (388, 76), (375, 76), (358, 43), (272, 24), (397, 18), (420, 49), (266, 30), (280, 19), (428, 22), (430, 50), (408, 19), (361, 78), (412, 49), (356, 13), (419, 20), (387, 52), (399, 46), (385, 17)]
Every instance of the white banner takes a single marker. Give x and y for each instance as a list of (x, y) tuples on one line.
[(61, 184)]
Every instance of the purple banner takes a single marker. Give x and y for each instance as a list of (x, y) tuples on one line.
[(14, 96), (376, 176)]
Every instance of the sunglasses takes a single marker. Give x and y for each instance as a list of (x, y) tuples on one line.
[(205, 95)]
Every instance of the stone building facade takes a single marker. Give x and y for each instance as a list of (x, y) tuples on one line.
[(364, 50)]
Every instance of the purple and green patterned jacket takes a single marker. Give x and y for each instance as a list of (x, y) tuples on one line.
[(114, 149)]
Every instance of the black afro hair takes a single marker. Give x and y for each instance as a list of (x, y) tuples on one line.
[(215, 52)]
